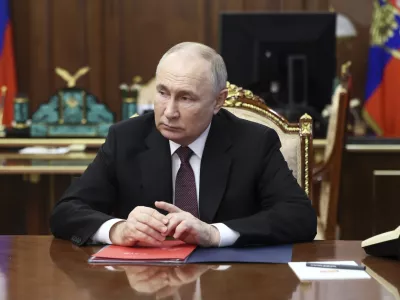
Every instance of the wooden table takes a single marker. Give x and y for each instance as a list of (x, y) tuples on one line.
[(40, 267)]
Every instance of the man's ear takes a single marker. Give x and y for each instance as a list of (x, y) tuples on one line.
[(220, 100)]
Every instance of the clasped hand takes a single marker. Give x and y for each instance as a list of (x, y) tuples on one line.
[(148, 227), (163, 281)]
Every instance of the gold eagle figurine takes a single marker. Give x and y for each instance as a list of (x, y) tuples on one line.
[(71, 79)]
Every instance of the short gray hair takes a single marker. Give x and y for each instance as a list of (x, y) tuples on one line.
[(219, 74)]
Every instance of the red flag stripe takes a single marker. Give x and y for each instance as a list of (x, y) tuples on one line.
[(8, 75)]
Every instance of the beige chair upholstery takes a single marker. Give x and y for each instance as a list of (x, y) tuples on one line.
[(296, 139), (146, 95)]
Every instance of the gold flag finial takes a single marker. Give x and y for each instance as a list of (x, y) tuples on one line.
[(71, 79), (137, 79), (3, 90), (345, 68)]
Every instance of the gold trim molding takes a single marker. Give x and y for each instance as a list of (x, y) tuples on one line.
[(12, 142), (41, 170)]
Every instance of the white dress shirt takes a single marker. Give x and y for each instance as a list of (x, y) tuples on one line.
[(227, 236)]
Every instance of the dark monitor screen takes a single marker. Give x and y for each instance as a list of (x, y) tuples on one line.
[(288, 59)]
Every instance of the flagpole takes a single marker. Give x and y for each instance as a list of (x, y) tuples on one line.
[(3, 93)]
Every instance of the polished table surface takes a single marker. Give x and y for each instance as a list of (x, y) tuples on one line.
[(40, 267)]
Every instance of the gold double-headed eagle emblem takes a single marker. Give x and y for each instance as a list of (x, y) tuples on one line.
[(384, 26)]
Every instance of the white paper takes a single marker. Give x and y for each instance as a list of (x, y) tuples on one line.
[(44, 150), (311, 273)]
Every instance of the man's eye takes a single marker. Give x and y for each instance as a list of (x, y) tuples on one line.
[(185, 98), (162, 93)]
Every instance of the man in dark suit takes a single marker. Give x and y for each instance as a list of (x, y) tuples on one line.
[(190, 170)]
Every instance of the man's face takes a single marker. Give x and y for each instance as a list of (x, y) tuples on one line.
[(185, 100)]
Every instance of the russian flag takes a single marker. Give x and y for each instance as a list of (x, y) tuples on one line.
[(7, 66), (382, 106)]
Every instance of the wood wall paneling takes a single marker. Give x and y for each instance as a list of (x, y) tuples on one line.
[(26, 206), (212, 17), (67, 36), (262, 5), (112, 59), (368, 203), (318, 5), (355, 196), (147, 35), (40, 71), (13, 205), (20, 19), (293, 5), (385, 200), (93, 48)]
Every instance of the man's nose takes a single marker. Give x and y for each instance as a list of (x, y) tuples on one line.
[(171, 110)]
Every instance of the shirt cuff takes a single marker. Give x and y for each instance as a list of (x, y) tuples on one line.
[(227, 236), (102, 235)]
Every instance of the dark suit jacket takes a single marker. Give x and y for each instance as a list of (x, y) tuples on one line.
[(244, 182)]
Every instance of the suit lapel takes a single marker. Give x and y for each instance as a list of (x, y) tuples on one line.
[(214, 171), (156, 169)]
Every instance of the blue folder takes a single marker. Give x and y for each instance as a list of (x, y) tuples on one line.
[(271, 254)]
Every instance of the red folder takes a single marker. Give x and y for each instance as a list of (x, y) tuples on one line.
[(169, 251)]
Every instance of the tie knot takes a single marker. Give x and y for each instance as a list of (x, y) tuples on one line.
[(184, 154)]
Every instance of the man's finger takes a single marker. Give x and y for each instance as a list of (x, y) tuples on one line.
[(168, 291), (167, 207), (152, 284), (188, 273), (174, 221), (151, 222), (149, 231), (138, 236), (136, 270), (136, 275), (183, 227), (153, 213), (142, 237), (156, 282)]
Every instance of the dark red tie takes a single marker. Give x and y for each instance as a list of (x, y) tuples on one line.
[(185, 185)]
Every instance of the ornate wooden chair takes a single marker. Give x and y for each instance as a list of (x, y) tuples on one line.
[(296, 139), (326, 177)]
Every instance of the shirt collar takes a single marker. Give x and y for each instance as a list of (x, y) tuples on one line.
[(197, 146)]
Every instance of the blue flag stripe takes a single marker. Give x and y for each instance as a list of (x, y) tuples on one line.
[(3, 22), (377, 59)]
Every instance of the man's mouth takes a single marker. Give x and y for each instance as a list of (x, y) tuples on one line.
[(169, 127)]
